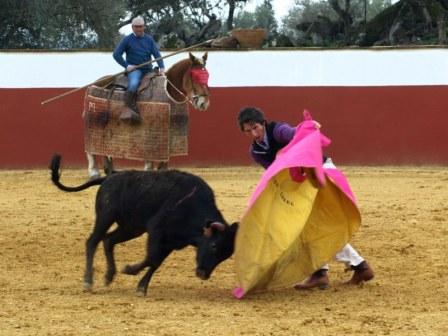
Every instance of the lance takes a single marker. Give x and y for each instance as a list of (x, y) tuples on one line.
[(109, 78)]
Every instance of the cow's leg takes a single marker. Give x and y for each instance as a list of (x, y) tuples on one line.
[(102, 224), (157, 253), (117, 236), (134, 269), (92, 169)]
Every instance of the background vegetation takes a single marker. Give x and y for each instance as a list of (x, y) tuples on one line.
[(68, 24)]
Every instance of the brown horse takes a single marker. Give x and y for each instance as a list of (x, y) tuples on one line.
[(186, 82)]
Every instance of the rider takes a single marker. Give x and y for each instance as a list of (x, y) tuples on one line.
[(139, 47)]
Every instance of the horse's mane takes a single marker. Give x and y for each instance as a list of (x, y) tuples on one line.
[(175, 75), (180, 67)]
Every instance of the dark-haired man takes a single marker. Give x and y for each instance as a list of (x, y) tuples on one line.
[(267, 138)]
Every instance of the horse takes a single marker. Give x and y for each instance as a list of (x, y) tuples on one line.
[(186, 82)]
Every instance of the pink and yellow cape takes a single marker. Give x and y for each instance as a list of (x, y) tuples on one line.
[(291, 228)]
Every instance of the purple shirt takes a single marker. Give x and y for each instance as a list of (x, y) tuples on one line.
[(282, 134)]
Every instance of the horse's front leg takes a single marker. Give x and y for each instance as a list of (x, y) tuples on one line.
[(155, 165), (147, 166), (92, 169), (108, 165)]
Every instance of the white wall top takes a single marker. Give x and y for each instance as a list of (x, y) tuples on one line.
[(386, 67)]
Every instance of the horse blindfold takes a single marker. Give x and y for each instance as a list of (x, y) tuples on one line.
[(200, 76)]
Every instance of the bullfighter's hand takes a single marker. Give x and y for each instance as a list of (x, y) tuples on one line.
[(311, 174)]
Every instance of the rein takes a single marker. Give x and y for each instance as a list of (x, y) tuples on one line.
[(180, 92), (199, 76)]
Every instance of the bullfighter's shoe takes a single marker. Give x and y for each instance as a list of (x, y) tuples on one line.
[(318, 279), (363, 272)]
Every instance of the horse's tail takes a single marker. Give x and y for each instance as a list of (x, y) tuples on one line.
[(55, 177)]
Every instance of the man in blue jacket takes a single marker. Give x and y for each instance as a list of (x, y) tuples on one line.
[(139, 48)]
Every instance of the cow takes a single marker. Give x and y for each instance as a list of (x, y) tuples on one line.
[(176, 209)]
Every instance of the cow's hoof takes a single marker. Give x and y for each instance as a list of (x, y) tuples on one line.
[(87, 286), (141, 292), (108, 280), (130, 270)]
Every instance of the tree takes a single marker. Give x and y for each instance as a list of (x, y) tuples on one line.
[(345, 16), (264, 17), (245, 19), (59, 24), (310, 23), (409, 22), (232, 6), (332, 22)]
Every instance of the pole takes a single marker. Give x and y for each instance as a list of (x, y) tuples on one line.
[(122, 72)]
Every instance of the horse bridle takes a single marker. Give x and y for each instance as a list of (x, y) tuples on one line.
[(194, 97)]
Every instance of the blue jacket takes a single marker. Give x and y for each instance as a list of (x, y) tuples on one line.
[(138, 50)]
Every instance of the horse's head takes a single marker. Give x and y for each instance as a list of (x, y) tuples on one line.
[(196, 83), (188, 79)]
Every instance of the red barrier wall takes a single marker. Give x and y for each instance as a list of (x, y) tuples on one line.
[(368, 125)]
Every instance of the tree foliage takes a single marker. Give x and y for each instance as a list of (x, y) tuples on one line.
[(59, 24), (331, 22), (409, 22), (68, 24)]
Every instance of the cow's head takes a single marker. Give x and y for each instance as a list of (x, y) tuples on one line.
[(216, 245)]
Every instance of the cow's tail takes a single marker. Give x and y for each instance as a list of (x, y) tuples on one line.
[(56, 176)]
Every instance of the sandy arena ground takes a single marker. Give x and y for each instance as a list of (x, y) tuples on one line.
[(404, 236)]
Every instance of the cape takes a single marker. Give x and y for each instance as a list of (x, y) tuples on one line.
[(299, 216)]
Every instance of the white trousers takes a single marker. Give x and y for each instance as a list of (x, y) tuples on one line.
[(348, 256)]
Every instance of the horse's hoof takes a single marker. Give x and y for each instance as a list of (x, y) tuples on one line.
[(94, 177)]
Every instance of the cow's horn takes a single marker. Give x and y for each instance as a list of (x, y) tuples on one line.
[(218, 226)]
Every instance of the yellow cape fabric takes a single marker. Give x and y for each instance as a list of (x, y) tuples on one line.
[(291, 230)]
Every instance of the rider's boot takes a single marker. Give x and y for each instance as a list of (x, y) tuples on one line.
[(129, 113)]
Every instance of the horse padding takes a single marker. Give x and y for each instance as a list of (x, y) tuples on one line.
[(105, 134), (162, 133)]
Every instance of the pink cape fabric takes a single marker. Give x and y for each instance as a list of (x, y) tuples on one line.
[(304, 150)]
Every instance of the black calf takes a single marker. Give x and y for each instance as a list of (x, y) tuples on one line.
[(175, 208)]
